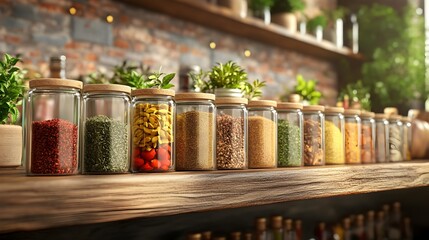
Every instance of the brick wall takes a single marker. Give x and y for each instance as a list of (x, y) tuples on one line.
[(38, 29)]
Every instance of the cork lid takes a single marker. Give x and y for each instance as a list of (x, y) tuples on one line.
[(380, 116), (55, 82), (313, 108), (194, 236), (288, 224), (289, 105), (391, 111), (262, 103), (295, 98), (194, 96), (231, 100), (106, 88), (352, 112), (406, 119), (334, 110), (395, 117), (153, 91), (276, 222), (261, 224), (365, 114)]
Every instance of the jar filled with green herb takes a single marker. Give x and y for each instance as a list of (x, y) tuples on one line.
[(196, 129), (262, 135), (289, 134), (106, 117), (334, 135)]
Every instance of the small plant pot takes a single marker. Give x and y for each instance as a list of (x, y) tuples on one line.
[(10, 145), (287, 20), (263, 14), (228, 92), (238, 7)]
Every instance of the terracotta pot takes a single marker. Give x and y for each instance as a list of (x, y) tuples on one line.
[(287, 20), (238, 7), (10, 145)]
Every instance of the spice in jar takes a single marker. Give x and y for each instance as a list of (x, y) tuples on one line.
[(352, 136), (382, 138), (106, 145), (368, 132), (230, 142), (262, 139), (313, 151), (54, 147), (152, 137), (194, 136), (334, 144), (289, 144), (395, 138)]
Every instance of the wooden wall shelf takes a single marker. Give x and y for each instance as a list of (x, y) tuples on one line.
[(29, 203), (223, 19)]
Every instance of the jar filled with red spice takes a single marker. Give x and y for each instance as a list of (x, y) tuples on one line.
[(153, 130), (52, 127), (368, 137)]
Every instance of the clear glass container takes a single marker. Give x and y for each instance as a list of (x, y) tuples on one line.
[(334, 135), (106, 121), (153, 130), (368, 137), (195, 131), (314, 135), (231, 133), (395, 138), (353, 136), (407, 138), (52, 127), (262, 135), (290, 135), (381, 138)]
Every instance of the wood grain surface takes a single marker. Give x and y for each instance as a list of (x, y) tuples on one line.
[(28, 203), (223, 19)]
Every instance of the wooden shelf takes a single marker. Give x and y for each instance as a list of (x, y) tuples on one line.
[(223, 19), (29, 203)]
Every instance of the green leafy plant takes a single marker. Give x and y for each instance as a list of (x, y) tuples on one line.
[(253, 90), (334, 14), (154, 80), (257, 5), (228, 75), (200, 81), (11, 88), (307, 90), (289, 6), (313, 23), (357, 92), (121, 74)]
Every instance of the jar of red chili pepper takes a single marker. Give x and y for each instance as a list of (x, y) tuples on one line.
[(368, 137), (153, 130), (105, 135), (52, 127)]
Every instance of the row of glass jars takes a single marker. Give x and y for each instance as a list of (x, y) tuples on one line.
[(204, 136)]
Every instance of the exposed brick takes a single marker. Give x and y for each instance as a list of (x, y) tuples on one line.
[(121, 43), (92, 30), (51, 39), (25, 11)]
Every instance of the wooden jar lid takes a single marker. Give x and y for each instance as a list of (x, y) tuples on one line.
[(153, 91), (262, 103), (380, 116), (312, 108), (231, 100), (395, 117), (352, 112), (365, 114), (289, 105), (55, 82), (391, 111), (106, 88), (334, 110), (194, 96)]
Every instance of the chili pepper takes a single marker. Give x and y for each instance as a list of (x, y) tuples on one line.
[(138, 162), (155, 163), (148, 155), (147, 167), (163, 154), (136, 152)]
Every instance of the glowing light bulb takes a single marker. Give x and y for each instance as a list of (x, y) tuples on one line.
[(212, 45), (72, 11), (247, 53), (109, 18)]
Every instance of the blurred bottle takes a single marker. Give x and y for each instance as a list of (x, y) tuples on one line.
[(320, 232), (370, 225), (355, 33), (186, 83), (359, 231), (219, 238), (235, 236), (288, 233), (248, 236), (57, 67), (261, 229), (386, 210), (276, 232), (298, 229), (379, 226), (338, 232), (207, 235), (347, 229), (407, 230), (194, 236), (395, 222)]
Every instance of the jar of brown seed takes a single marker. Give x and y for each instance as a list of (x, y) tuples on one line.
[(231, 133), (314, 135), (195, 134)]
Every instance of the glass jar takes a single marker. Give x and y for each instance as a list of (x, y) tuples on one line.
[(106, 117), (52, 127), (395, 138), (289, 135), (231, 133), (195, 131), (314, 135), (334, 135), (153, 130), (262, 135), (382, 138), (353, 136), (368, 137), (407, 138)]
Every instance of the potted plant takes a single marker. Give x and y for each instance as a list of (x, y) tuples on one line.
[(238, 7), (11, 89), (307, 90), (334, 29), (261, 9), (316, 26), (284, 13)]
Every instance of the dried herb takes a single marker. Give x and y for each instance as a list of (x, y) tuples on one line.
[(230, 142), (54, 147), (289, 144), (352, 143), (106, 145), (262, 139)]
